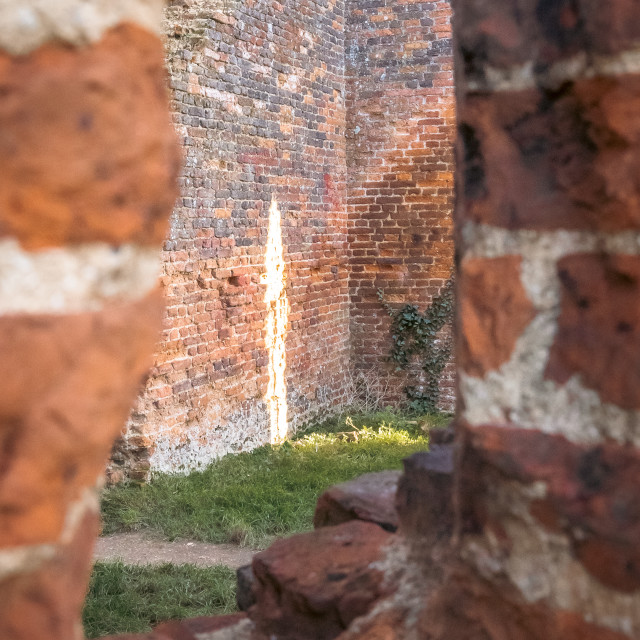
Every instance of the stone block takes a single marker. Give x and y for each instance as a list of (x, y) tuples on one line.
[(313, 585), (370, 498), (425, 494)]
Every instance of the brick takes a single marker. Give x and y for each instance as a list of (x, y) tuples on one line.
[(424, 500), (107, 171), (389, 138), (234, 87), (590, 497), (370, 498), (463, 605), (543, 160), (598, 334), (493, 311), (514, 33), (69, 385), (46, 603), (313, 585)]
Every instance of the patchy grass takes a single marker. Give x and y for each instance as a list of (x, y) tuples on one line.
[(125, 599), (415, 426), (253, 497)]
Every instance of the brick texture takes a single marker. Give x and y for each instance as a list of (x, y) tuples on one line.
[(597, 334), (547, 433), (87, 181), (401, 128), (96, 147), (493, 312), (268, 107), (259, 102)]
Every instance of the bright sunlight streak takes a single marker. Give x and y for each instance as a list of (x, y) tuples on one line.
[(276, 325)]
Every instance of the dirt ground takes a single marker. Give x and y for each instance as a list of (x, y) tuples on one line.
[(139, 549)]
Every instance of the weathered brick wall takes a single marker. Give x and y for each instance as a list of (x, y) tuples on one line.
[(268, 109), (548, 345), (88, 164), (259, 102), (401, 130)]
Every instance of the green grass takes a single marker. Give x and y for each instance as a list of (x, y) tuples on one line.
[(253, 497), (125, 599)]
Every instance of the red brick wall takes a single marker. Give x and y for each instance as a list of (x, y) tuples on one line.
[(401, 131), (258, 100), (88, 166), (284, 100)]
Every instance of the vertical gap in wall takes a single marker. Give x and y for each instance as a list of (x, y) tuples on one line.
[(276, 325)]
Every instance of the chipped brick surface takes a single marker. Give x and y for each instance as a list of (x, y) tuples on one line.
[(466, 606), (388, 625), (69, 384), (548, 151), (590, 493), (371, 498), (424, 500), (86, 152), (541, 33), (46, 602), (553, 159), (88, 162), (598, 334), (493, 311), (312, 586)]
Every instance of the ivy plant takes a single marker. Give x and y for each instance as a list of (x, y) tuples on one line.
[(418, 337)]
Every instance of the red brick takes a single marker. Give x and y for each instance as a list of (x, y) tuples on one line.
[(87, 152), (493, 311), (463, 605), (371, 498), (46, 603), (69, 382), (390, 137), (545, 160), (312, 586), (598, 336), (591, 493), (511, 33)]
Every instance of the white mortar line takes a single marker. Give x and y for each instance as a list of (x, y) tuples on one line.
[(485, 241), (562, 580), (518, 393), (74, 279), (579, 67), (26, 25), (20, 560)]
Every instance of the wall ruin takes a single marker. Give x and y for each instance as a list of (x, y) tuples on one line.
[(259, 102)]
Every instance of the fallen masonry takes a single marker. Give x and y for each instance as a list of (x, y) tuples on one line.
[(370, 498), (314, 586)]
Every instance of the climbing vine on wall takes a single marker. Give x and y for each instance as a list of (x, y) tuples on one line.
[(418, 337)]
